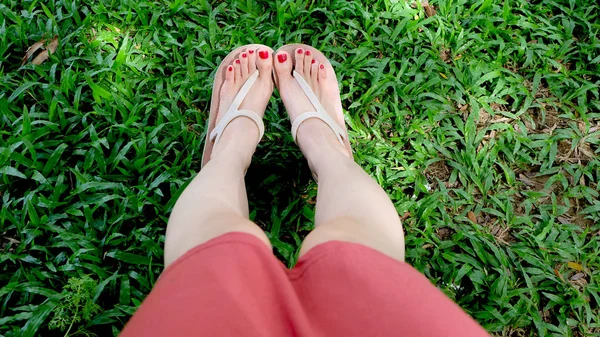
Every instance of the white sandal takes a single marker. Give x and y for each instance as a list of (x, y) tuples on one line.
[(319, 113), (214, 130)]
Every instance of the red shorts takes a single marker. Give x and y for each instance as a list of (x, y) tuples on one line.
[(234, 286)]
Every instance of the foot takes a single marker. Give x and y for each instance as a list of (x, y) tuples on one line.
[(240, 137), (314, 137)]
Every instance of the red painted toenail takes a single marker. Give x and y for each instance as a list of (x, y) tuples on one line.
[(300, 51), (322, 66), (263, 54), (251, 51), (237, 61), (282, 58), (244, 55), (230, 68), (313, 61), (308, 52)]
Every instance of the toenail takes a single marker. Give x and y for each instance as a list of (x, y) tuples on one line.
[(307, 52), (322, 66), (282, 58), (313, 61), (263, 54), (230, 68), (300, 51), (251, 51), (244, 55), (237, 61)]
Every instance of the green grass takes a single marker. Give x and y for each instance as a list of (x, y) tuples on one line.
[(481, 123)]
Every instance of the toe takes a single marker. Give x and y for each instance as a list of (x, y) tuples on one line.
[(299, 55), (264, 62), (244, 64), (308, 58), (251, 61), (283, 65), (229, 75), (237, 69), (322, 72), (314, 72)]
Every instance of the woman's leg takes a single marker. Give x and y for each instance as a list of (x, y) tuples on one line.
[(215, 202), (351, 206)]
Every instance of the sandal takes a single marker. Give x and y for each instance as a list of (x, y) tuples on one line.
[(215, 130)]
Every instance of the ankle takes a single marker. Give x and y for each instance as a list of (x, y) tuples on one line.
[(237, 144), (320, 145), (229, 155)]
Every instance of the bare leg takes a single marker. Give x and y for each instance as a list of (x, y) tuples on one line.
[(351, 206), (215, 202)]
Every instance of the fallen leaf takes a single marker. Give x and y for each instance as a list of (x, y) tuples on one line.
[(564, 219), (525, 179), (557, 273), (42, 56), (429, 10), (427, 246), (31, 50), (472, 217), (575, 265), (444, 233), (577, 276), (445, 55), (405, 216)]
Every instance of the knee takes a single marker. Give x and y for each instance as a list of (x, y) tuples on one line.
[(389, 242), (185, 235)]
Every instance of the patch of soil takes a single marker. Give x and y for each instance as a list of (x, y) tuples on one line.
[(445, 55), (444, 233), (500, 231), (438, 170), (515, 332), (8, 243)]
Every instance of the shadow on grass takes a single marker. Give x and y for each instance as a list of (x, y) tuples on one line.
[(277, 183)]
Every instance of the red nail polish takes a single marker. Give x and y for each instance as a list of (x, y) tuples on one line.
[(263, 54), (251, 51), (300, 51), (237, 61), (230, 68), (307, 52), (244, 55), (313, 61), (322, 66), (281, 58)]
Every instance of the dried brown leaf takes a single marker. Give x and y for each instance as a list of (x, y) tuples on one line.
[(42, 56), (526, 180), (577, 276), (564, 219), (557, 273), (472, 216), (445, 55), (444, 233), (405, 216), (429, 10), (31, 50)]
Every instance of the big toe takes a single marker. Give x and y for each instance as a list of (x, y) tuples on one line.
[(264, 62), (283, 65)]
